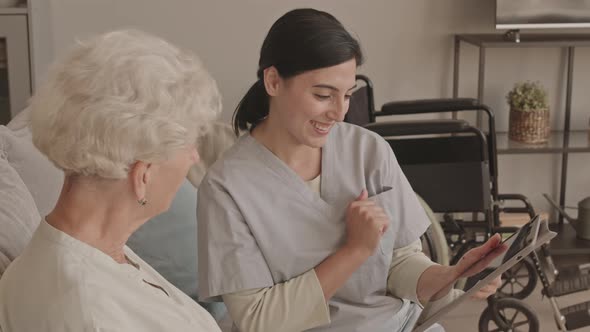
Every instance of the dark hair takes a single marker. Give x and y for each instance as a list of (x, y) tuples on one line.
[(299, 41)]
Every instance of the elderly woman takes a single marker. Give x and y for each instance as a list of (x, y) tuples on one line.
[(120, 116)]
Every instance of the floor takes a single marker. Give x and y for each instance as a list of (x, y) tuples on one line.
[(466, 316)]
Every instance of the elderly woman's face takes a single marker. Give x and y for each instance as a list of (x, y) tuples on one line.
[(167, 177)]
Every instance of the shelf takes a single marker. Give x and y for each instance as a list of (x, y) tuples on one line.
[(527, 40), (14, 11), (566, 242), (578, 143)]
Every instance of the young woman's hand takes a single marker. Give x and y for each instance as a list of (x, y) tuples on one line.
[(365, 224), (477, 259), (438, 280)]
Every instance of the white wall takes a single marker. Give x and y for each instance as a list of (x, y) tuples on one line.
[(408, 45)]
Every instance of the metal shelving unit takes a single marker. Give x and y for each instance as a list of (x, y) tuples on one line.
[(562, 142), (14, 11), (578, 143)]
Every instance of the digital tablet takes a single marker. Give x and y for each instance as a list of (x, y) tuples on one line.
[(520, 244)]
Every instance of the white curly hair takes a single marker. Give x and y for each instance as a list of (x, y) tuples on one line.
[(118, 98)]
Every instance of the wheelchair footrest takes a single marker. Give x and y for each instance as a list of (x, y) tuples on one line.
[(577, 316), (569, 284)]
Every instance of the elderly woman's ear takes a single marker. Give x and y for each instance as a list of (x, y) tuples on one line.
[(139, 176)]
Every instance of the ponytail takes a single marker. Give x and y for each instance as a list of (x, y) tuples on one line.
[(252, 109)]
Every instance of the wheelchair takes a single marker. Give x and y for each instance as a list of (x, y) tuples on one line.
[(452, 166)]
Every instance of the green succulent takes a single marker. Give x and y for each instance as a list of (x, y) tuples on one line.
[(528, 97)]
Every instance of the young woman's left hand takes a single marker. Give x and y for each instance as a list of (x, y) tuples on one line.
[(477, 259)]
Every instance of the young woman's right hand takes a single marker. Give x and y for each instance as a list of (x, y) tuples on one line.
[(365, 224)]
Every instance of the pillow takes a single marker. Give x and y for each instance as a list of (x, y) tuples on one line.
[(43, 180), (20, 120), (18, 214), (168, 243)]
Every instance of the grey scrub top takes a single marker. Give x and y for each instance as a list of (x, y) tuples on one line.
[(259, 224)]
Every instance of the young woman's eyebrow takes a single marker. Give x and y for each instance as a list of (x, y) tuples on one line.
[(327, 86)]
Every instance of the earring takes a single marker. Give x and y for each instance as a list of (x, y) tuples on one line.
[(142, 201)]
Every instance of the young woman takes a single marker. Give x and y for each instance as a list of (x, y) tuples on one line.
[(308, 222)]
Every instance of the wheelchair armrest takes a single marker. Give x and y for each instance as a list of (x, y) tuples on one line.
[(418, 127), (429, 106), (528, 207)]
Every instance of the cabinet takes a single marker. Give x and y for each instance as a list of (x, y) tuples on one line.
[(563, 141), (15, 70)]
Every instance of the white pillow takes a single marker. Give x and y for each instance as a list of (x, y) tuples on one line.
[(43, 180), (20, 120), (18, 214)]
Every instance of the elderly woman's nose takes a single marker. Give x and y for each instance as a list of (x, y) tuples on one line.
[(195, 155)]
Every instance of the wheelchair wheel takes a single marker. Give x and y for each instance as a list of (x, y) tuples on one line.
[(519, 281), (512, 315), (428, 246), (434, 243)]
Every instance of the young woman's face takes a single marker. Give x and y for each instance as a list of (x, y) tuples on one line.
[(308, 105)]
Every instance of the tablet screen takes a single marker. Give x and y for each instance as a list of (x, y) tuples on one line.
[(515, 243)]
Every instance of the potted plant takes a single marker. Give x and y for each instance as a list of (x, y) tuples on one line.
[(529, 113)]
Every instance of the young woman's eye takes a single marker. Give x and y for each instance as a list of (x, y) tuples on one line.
[(347, 97), (322, 97)]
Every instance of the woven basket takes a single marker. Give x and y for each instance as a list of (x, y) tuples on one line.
[(529, 127)]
